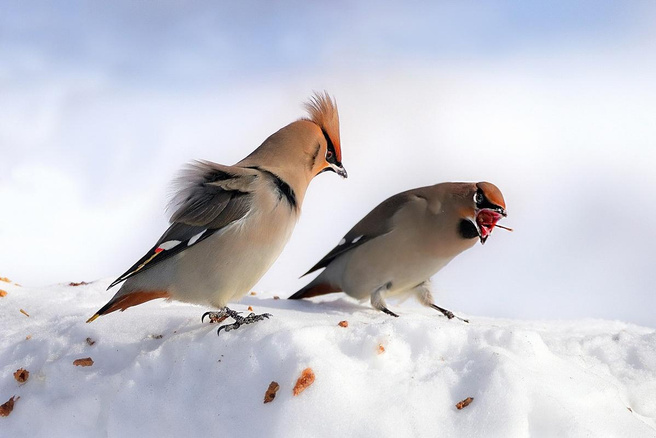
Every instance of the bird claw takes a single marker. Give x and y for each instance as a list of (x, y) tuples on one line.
[(449, 314), (214, 317), (389, 312), (224, 313), (228, 327)]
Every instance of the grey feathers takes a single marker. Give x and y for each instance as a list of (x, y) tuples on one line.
[(377, 223), (212, 195)]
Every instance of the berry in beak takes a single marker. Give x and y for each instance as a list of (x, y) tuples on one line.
[(486, 219)]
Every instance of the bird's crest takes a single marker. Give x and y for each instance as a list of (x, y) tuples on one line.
[(492, 193), (323, 112)]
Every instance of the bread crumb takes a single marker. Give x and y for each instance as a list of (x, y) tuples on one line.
[(24, 313), (8, 406), (90, 341), (270, 393), (21, 375), (84, 362), (343, 324), (5, 279), (464, 403), (306, 379), (250, 308), (381, 349), (3, 293), (253, 293), (81, 283), (276, 297), (28, 337)]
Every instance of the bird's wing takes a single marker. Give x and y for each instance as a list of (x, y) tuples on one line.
[(210, 197), (377, 223)]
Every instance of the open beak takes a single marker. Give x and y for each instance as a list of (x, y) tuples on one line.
[(486, 219)]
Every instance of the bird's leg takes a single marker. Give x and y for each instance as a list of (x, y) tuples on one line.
[(239, 320), (425, 297), (378, 302)]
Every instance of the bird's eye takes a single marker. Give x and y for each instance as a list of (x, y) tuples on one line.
[(329, 155), (478, 197)]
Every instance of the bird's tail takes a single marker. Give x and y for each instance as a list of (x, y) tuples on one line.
[(122, 302), (314, 289)]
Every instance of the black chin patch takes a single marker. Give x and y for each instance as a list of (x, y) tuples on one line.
[(467, 229)]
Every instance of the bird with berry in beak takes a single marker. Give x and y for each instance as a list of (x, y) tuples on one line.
[(400, 244)]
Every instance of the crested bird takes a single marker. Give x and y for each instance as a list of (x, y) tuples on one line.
[(406, 239), (230, 223)]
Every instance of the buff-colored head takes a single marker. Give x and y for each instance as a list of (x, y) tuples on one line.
[(327, 154), (480, 206), (490, 207), (303, 149)]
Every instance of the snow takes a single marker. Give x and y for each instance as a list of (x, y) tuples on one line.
[(588, 378)]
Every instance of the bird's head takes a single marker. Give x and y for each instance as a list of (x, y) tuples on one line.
[(298, 152), (485, 207), (326, 153), (489, 208)]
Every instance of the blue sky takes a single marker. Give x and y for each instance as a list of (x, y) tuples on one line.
[(178, 44), (553, 101)]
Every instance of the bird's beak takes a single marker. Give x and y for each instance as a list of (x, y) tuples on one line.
[(486, 219), (338, 169)]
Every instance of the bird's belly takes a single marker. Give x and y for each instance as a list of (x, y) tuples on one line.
[(225, 267), (370, 268), (402, 280)]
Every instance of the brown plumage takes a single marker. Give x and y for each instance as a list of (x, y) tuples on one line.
[(405, 240), (230, 223), (323, 112)]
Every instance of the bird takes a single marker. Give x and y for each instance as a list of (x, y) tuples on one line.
[(405, 240), (230, 223)]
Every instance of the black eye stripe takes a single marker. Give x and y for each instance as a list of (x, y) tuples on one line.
[(330, 148), (482, 202)]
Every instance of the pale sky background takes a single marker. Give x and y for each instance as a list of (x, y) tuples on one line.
[(553, 101)]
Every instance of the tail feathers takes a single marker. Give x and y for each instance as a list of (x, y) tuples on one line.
[(314, 290), (128, 300)]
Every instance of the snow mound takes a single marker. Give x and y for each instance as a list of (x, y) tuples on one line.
[(158, 371)]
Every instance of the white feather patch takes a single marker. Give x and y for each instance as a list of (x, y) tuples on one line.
[(341, 242), (356, 239), (195, 238), (169, 244)]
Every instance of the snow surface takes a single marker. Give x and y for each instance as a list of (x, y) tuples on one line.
[(588, 378)]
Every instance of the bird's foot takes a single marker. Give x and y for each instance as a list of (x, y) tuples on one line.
[(449, 314), (389, 312), (239, 320), (216, 317)]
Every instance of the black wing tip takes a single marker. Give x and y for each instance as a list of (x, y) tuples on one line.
[(117, 281), (298, 295), (313, 269), (328, 259)]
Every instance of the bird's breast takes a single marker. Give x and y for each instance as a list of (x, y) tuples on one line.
[(226, 265)]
